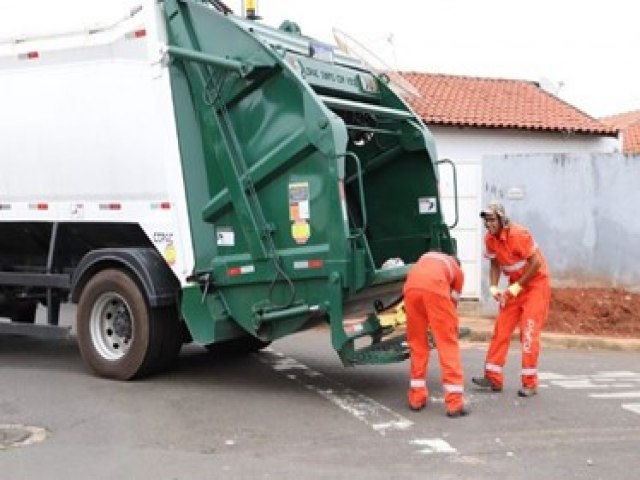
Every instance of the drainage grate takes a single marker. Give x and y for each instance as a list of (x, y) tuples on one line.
[(20, 435)]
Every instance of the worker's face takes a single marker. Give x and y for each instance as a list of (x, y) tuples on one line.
[(492, 224)]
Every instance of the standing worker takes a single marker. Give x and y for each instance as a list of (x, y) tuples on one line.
[(431, 293), (525, 302)]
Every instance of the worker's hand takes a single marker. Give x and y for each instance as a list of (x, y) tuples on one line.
[(496, 293), (513, 290)]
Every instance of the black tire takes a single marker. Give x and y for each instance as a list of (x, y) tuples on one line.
[(237, 346), (24, 311), (119, 335)]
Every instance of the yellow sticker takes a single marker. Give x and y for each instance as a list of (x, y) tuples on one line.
[(170, 254), (300, 231)]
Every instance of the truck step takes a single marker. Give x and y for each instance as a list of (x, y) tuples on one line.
[(35, 330), (391, 350), (387, 351)]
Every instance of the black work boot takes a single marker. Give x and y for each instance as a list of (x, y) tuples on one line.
[(527, 392), (484, 382), (462, 412)]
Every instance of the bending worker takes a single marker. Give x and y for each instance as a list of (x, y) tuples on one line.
[(431, 294), (525, 303)]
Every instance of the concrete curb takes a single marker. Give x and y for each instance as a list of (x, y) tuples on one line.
[(482, 330)]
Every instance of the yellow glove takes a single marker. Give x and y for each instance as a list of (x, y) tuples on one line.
[(514, 289)]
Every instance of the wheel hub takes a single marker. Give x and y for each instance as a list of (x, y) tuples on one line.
[(122, 325), (111, 326)]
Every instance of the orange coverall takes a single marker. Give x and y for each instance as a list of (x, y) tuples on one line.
[(431, 292), (511, 249)]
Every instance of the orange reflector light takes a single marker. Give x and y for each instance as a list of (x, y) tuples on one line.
[(316, 263)]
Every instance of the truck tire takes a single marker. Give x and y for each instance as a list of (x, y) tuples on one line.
[(119, 335)]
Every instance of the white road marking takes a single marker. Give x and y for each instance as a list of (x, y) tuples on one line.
[(610, 380), (598, 376), (632, 407), (433, 445), (616, 395), (378, 417), (588, 384), (618, 374)]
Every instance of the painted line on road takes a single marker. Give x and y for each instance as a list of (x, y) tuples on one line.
[(616, 395), (588, 384), (379, 418), (604, 376), (632, 407), (433, 445)]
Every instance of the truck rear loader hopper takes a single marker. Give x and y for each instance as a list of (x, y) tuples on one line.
[(303, 172)]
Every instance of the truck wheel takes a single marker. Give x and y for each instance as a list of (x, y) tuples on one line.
[(119, 335)]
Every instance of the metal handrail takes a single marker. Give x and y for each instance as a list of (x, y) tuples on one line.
[(455, 188), (363, 206)]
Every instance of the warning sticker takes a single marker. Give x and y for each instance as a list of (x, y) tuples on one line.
[(427, 205), (299, 212), (225, 237), (170, 254), (299, 201), (300, 231)]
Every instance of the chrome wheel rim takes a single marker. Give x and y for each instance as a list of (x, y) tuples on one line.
[(111, 326)]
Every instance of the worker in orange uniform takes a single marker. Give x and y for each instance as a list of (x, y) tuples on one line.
[(525, 303), (431, 293)]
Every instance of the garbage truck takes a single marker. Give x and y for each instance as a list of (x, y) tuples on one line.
[(183, 174)]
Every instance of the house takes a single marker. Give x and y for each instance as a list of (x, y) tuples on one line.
[(629, 125), (471, 117)]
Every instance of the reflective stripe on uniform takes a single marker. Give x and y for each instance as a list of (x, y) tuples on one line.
[(514, 266), (451, 388), (492, 367), (445, 259), (489, 255), (418, 383), (529, 371), (455, 295)]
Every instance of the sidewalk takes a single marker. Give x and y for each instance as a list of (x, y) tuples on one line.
[(482, 329)]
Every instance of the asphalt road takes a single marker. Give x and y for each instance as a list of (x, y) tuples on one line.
[(293, 412)]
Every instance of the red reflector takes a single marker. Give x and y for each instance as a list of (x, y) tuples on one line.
[(32, 55), (140, 33), (316, 263), (42, 206), (234, 271), (110, 206), (165, 205)]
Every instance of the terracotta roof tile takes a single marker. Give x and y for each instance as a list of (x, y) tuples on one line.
[(497, 103), (629, 125)]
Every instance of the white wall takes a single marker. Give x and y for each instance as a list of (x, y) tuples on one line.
[(579, 208), (466, 147)]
